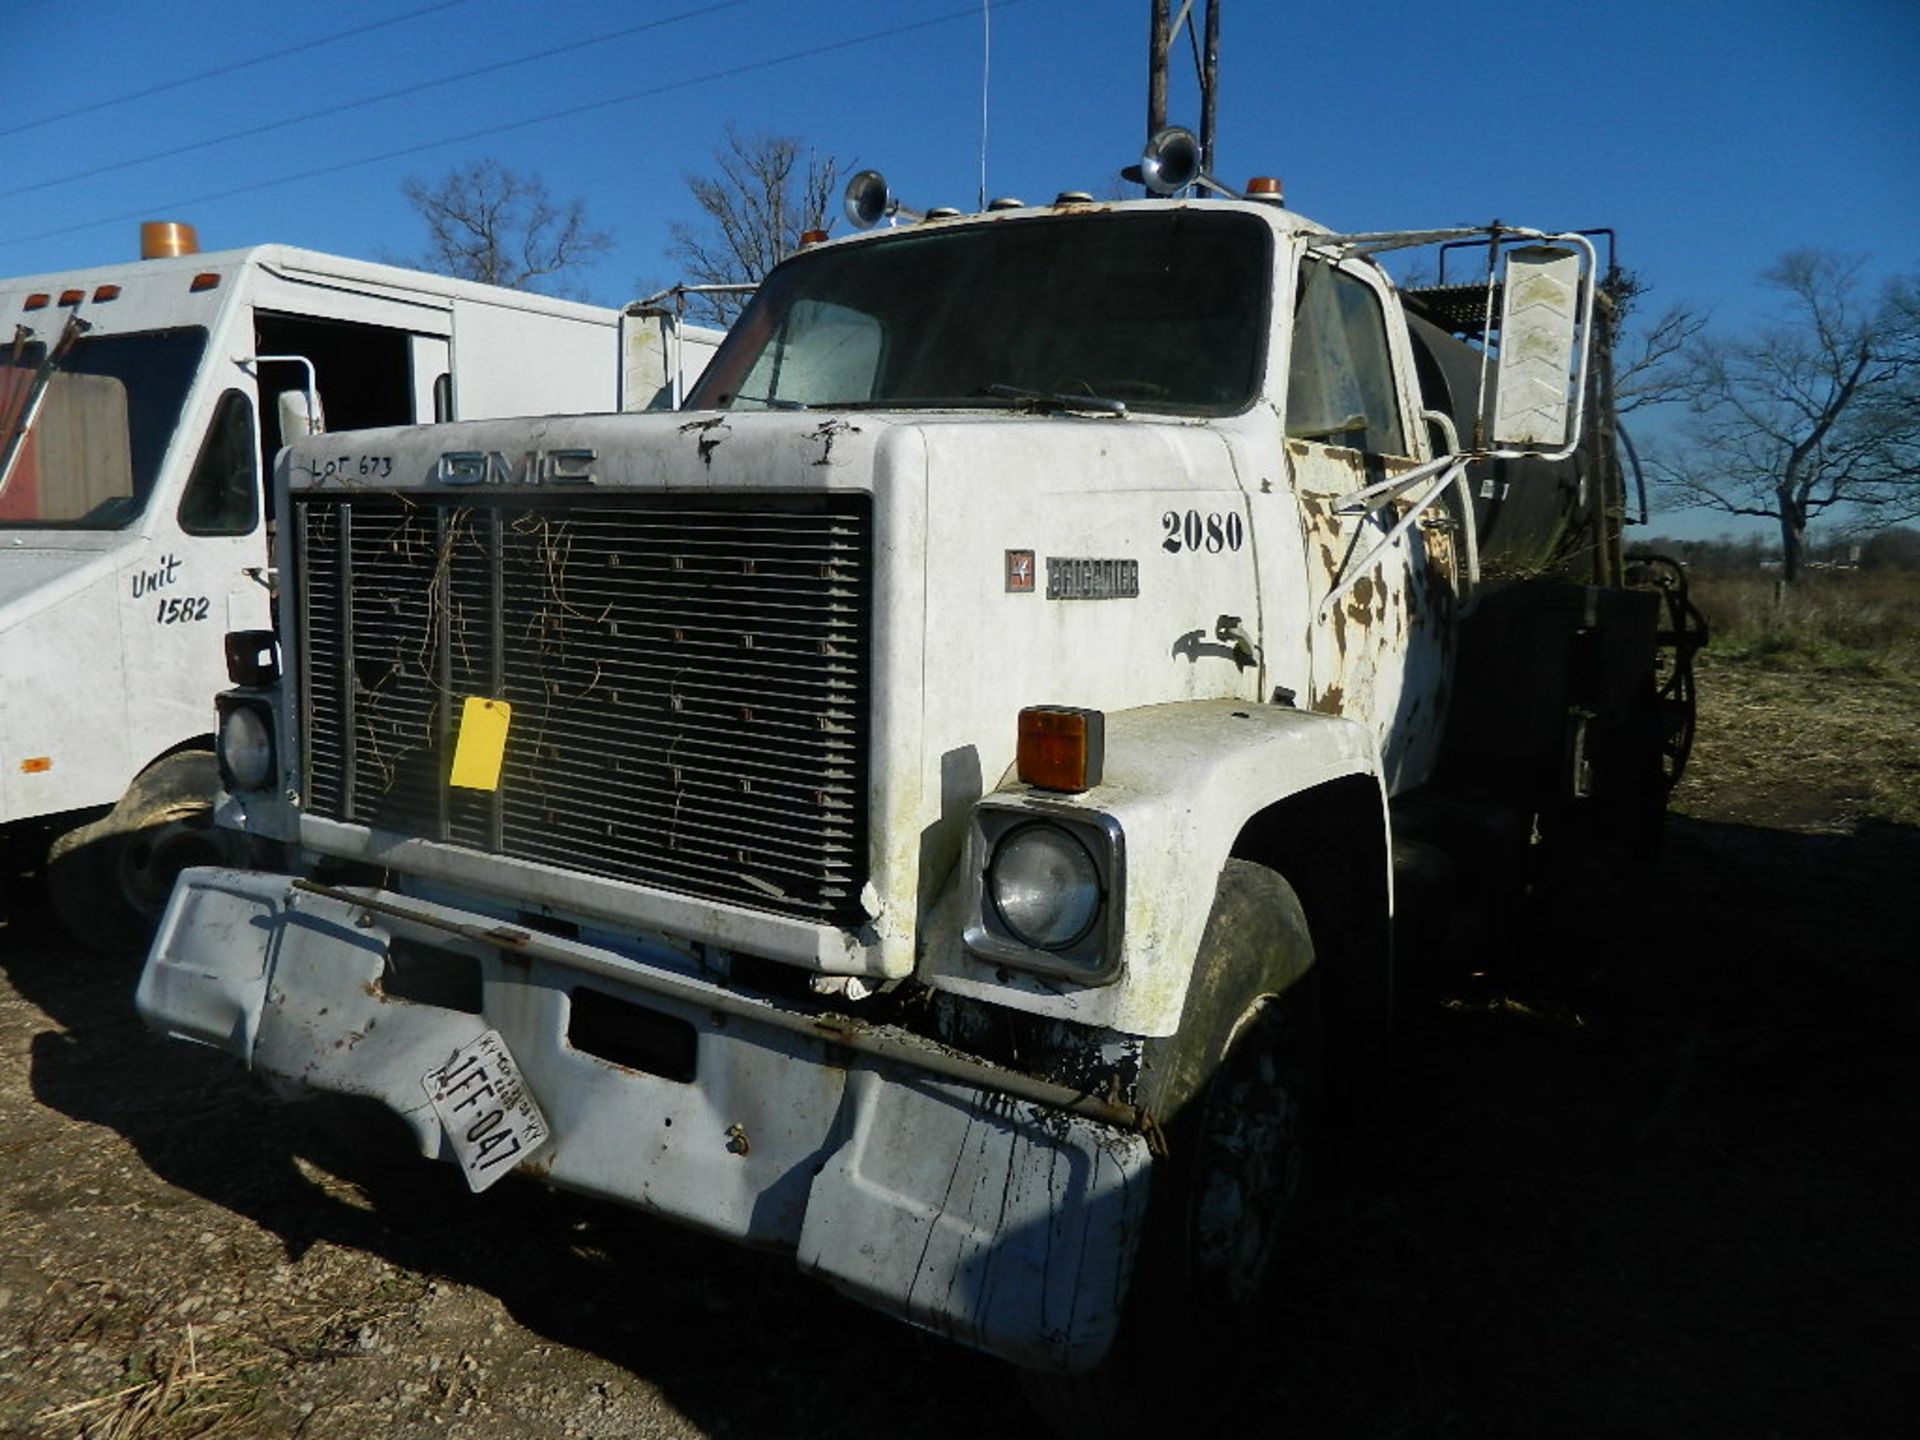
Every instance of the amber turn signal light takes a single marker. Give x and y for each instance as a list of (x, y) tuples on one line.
[(1061, 748)]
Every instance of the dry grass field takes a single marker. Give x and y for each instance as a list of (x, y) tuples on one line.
[(1651, 1176), (1656, 1174)]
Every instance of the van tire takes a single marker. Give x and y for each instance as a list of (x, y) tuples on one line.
[(110, 880)]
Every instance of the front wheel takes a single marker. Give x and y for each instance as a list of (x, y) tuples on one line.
[(1237, 1093), (109, 881)]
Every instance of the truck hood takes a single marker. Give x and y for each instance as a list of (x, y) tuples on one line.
[(695, 451)]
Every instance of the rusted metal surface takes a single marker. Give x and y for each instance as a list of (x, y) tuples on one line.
[(1378, 653)]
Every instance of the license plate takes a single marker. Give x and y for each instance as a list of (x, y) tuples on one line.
[(486, 1109)]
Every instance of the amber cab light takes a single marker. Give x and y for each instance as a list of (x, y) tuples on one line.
[(1061, 748), (39, 300), (165, 239), (1266, 187), (105, 292), (205, 280), (812, 237), (72, 297)]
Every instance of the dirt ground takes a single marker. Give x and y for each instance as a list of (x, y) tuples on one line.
[(1648, 1180)]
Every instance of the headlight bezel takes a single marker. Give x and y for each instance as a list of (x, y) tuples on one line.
[(1035, 848), (1092, 955), (257, 710)]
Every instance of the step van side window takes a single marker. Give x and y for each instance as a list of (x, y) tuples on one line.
[(223, 493)]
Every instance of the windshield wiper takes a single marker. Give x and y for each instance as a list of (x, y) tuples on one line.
[(772, 402), (29, 410), (1056, 399)]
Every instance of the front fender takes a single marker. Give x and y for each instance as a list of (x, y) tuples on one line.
[(1181, 780)]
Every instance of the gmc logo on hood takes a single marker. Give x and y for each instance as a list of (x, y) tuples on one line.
[(534, 467)]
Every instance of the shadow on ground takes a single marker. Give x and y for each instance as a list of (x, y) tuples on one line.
[(1648, 1177)]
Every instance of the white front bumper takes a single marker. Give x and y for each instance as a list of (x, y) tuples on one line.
[(1008, 1226)]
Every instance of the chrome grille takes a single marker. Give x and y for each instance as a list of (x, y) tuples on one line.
[(688, 679)]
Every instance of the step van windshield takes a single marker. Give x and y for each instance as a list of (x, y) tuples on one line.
[(92, 449)]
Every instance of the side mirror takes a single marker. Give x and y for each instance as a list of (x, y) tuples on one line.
[(300, 416), (1542, 349), (299, 410)]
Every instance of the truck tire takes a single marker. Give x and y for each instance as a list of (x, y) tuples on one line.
[(1236, 1091), (109, 881)]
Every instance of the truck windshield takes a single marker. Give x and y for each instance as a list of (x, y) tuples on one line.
[(1161, 310), (92, 447)]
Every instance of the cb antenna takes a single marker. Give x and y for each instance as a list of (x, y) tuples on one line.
[(986, 74)]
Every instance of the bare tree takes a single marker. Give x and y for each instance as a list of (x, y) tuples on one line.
[(499, 226), (1648, 366), (765, 193), (1816, 411)]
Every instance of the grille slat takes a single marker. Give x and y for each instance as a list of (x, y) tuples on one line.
[(688, 679)]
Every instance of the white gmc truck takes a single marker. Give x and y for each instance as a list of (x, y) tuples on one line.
[(140, 405), (937, 806)]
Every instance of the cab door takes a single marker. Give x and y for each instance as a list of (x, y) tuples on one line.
[(1377, 654)]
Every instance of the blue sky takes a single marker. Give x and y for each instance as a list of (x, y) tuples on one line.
[(1712, 136)]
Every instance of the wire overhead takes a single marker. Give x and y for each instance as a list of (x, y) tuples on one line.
[(506, 127), (227, 69), (411, 89)]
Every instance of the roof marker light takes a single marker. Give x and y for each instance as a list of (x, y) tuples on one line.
[(72, 297), (105, 292), (39, 300), (205, 280)]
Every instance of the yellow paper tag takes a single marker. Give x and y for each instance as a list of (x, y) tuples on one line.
[(482, 744)]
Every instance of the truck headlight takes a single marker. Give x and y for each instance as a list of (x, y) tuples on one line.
[(1044, 886), (245, 745), (1045, 891)]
